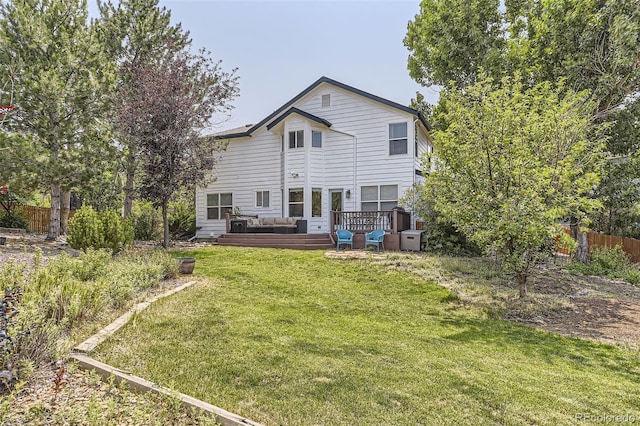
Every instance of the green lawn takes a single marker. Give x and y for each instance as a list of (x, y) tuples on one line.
[(291, 337)]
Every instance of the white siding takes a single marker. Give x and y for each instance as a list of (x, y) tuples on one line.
[(354, 153), (248, 165)]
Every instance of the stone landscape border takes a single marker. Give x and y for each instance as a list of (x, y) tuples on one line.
[(139, 384)]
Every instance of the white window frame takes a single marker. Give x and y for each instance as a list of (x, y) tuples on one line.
[(260, 197), (218, 206), (314, 203), (326, 100), (379, 200), (296, 203), (298, 139), (313, 141), (394, 140)]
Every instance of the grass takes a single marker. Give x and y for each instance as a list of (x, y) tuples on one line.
[(291, 337)]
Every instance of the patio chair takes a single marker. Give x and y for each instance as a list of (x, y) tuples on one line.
[(374, 238), (344, 237)]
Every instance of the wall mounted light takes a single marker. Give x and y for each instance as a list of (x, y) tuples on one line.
[(348, 193), (293, 174)]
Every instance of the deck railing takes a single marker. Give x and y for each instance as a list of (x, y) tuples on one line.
[(361, 222)]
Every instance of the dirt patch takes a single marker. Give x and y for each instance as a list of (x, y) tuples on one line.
[(587, 307)]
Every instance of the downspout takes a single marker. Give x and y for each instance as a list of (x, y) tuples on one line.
[(415, 159), (355, 161)]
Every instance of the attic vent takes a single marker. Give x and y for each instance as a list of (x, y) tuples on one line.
[(326, 101)]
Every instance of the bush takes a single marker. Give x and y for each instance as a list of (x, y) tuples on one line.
[(89, 229), (13, 220), (182, 219), (605, 262), (85, 229), (52, 298), (145, 220), (116, 233), (609, 262)]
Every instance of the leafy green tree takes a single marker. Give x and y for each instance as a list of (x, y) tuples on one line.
[(451, 40), (60, 76), (513, 162), (171, 102), (135, 33), (590, 44)]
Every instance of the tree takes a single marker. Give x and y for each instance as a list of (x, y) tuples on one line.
[(59, 76), (593, 44), (452, 40), (511, 163), (171, 102), (590, 44), (135, 33)]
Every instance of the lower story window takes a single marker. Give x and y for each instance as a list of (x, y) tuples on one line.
[(296, 202), (379, 197), (218, 205), (316, 202), (262, 199)]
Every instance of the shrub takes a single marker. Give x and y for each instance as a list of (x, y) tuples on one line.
[(85, 229), (89, 229), (145, 220), (57, 296), (182, 219), (610, 263), (115, 232), (13, 220)]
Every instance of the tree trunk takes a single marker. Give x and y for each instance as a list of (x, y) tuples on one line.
[(582, 251), (165, 224), (128, 186), (65, 208), (54, 221), (522, 284)]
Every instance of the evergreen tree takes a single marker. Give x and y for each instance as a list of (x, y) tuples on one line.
[(60, 77)]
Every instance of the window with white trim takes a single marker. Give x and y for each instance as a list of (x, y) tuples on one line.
[(296, 139), (262, 198), (218, 205), (316, 139), (397, 138), (382, 197), (326, 101), (316, 202), (296, 202)]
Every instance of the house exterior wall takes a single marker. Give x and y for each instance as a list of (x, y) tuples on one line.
[(354, 153)]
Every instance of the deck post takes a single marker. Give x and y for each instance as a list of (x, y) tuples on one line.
[(227, 217)]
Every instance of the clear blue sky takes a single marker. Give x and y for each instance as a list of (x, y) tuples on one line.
[(281, 47)]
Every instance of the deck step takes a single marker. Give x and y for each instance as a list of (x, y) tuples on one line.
[(291, 241)]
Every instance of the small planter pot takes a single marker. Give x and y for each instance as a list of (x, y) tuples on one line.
[(3, 240), (186, 265)]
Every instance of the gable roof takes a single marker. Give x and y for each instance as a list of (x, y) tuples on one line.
[(235, 134), (295, 110)]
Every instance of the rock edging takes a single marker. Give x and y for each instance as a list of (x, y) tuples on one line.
[(139, 384)]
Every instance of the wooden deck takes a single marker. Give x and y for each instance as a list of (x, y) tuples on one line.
[(290, 241)]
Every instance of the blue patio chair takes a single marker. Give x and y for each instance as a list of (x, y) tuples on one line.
[(344, 237), (374, 238)]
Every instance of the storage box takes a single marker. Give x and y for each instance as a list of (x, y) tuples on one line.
[(410, 240)]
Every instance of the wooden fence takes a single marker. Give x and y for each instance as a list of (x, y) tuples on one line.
[(595, 240), (37, 217)]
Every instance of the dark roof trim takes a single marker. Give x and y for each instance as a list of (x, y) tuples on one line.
[(232, 136), (337, 84), (294, 110)]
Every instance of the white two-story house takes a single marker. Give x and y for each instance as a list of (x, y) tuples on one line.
[(332, 147)]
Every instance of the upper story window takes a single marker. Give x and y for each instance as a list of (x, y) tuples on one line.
[(326, 101), (296, 139), (397, 138), (218, 205), (316, 139)]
